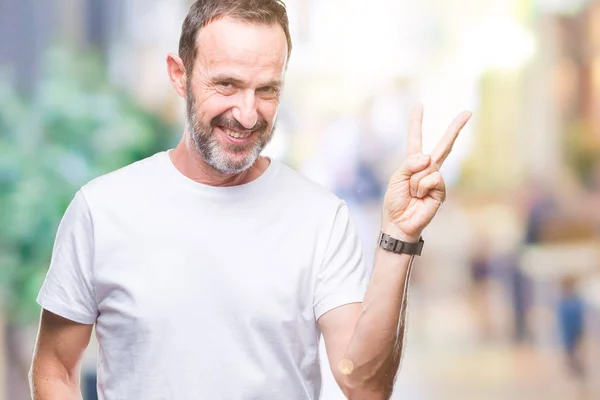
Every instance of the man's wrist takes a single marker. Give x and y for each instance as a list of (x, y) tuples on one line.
[(392, 229)]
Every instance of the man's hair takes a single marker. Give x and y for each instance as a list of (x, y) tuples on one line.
[(202, 12)]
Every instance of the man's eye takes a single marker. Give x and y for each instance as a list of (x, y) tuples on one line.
[(269, 90), (226, 88)]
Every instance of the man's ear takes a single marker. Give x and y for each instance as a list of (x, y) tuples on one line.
[(177, 74)]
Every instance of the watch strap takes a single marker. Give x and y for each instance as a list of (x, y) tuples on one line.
[(398, 246)]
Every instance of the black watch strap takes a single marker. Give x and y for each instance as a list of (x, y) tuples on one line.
[(400, 247)]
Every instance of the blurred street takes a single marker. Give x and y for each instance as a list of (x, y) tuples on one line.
[(450, 353), (505, 301)]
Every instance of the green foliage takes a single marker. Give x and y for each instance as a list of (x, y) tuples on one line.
[(76, 127)]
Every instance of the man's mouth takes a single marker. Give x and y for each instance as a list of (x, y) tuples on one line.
[(235, 134)]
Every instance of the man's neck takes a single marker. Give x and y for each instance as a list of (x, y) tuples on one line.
[(190, 164)]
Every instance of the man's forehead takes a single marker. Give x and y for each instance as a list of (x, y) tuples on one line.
[(228, 40)]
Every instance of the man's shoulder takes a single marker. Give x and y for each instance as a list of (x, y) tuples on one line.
[(125, 179)]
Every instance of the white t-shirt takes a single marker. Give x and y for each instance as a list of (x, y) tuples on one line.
[(202, 292)]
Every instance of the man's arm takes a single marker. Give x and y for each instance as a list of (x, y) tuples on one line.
[(364, 342), (56, 367)]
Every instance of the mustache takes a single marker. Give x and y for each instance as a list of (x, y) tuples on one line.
[(227, 122)]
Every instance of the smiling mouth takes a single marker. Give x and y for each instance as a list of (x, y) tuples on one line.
[(237, 135)]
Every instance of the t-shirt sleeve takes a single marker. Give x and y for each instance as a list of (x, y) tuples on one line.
[(343, 277), (68, 289)]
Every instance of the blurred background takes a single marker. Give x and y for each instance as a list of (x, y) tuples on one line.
[(505, 302)]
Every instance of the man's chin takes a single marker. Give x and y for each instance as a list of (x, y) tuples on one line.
[(233, 165), (229, 158)]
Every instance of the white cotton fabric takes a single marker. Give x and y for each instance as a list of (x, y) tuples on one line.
[(202, 292)]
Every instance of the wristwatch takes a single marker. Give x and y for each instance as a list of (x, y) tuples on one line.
[(399, 247)]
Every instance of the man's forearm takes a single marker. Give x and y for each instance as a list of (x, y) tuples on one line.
[(50, 387), (375, 350)]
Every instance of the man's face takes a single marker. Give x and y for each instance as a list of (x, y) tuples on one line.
[(233, 92)]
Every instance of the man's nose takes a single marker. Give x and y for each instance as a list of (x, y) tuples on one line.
[(245, 111)]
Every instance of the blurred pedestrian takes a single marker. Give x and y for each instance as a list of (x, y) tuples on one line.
[(570, 310), (480, 267)]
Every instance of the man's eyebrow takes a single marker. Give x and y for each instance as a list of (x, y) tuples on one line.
[(240, 82), (228, 78), (274, 83)]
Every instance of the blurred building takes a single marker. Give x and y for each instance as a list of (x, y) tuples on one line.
[(577, 75), (540, 121)]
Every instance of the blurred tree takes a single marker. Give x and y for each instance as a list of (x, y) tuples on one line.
[(75, 127)]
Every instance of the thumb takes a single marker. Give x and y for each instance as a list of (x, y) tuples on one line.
[(413, 164)]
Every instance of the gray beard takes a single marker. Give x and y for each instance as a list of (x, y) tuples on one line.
[(211, 152)]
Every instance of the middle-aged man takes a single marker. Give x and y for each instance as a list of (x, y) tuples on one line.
[(211, 272)]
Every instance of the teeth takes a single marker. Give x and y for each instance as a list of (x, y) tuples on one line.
[(237, 134)]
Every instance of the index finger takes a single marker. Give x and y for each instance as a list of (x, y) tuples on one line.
[(415, 145), (444, 146)]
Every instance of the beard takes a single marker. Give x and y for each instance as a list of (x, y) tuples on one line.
[(229, 158)]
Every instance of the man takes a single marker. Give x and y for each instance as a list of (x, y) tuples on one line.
[(211, 272)]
